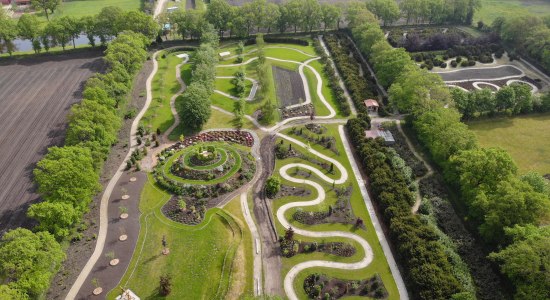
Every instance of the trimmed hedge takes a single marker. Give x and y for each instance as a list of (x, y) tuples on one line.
[(279, 40)]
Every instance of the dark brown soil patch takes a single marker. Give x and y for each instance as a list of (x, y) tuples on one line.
[(289, 86), (317, 286)]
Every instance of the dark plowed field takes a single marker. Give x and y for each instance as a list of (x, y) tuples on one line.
[(35, 97)]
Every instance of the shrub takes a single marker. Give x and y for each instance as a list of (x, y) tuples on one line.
[(272, 186), (165, 285), (464, 64), (443, 65), (454, 63)]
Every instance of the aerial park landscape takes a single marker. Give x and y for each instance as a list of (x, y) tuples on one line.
[(257, 150)]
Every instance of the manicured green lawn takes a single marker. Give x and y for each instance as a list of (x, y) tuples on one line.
[(80, 8), (226, 86), (526, 138), (379, 264), (492, 9), (164, 86), (200, 256)]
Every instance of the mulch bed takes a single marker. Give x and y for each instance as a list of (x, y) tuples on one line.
[(239, 137), (289, 86), (470, 87), (304, 110), (341, 212), (288, 191), (317, 286)]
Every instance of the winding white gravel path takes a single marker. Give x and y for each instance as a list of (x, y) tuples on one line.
[(284, 172)]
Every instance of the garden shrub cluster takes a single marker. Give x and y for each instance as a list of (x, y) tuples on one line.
[(423, 257), (320, 286), (498, 202), (340, 212), (348, 67), (67, 177), (290, 246)]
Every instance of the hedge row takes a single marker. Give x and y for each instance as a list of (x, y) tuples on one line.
[(348, 67), (423, 257), (279, 40), (67, 177)]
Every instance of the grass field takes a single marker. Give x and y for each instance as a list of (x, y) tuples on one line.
[(379, 264), (510, 8), (200, 258), (526, 138), (80, 8), (165, 84)]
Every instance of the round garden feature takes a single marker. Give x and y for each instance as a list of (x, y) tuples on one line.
[(200, 175)]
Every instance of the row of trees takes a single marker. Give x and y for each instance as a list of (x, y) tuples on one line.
[(496, 199), (61, 31), (240, 21), (424, 258), (511, 100), (68, 176), (528, 35), (194, 103), (265, 81)]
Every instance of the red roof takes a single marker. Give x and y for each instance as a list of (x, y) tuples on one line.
[(371, 102)]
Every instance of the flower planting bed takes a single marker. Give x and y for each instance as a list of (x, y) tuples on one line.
[(196, 188), (319, 286), (288, 191), (304, 110), (291, 247), (289, 86), (341, 212), (238, 137), (328, 142)]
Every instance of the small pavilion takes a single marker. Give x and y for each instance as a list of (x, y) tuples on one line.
[(372, 105)]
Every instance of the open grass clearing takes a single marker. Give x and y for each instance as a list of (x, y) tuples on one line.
[(491, 9), (81, 8), (526, 138), (225, 85), (379, 264), (164, 86), (197, 253)]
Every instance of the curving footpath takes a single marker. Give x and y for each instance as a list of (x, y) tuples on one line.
[(173, 99), (251, 95), (103, 212), (284, 172)]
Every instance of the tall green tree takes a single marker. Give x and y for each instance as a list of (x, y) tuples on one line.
[(526, 261), (330, 14), (194, 107), (46, 5), (29, 28), (385, 10), (54, 217), (67, 175), (29, 260), (8, 31), (219, 15)]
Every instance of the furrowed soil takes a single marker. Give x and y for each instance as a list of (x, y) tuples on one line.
[(289, 86), (36, 94)]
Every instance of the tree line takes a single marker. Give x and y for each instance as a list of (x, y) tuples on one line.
[(509, 100), (507, 209), (62, 31), (68, 177), (194, 104), (525, 35)]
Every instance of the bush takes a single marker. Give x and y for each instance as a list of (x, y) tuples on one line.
[(165, 285), (459, 59), (279, 40), (443, 65), (471, 63), (465, 63), (272, 186), (454, 63)]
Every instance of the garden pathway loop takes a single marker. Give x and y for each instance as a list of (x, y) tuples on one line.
[(284, 172)]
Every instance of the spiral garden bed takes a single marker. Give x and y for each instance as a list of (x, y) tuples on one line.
[(200, 174)]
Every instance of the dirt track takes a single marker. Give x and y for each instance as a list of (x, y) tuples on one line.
[(35, 97)]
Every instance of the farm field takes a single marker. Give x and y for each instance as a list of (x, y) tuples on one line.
[(80, 8), (526, 138), (491, 9), (35, 96)]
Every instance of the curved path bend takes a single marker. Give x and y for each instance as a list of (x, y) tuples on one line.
[(173, 99), (284, 172), (251, 95)]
